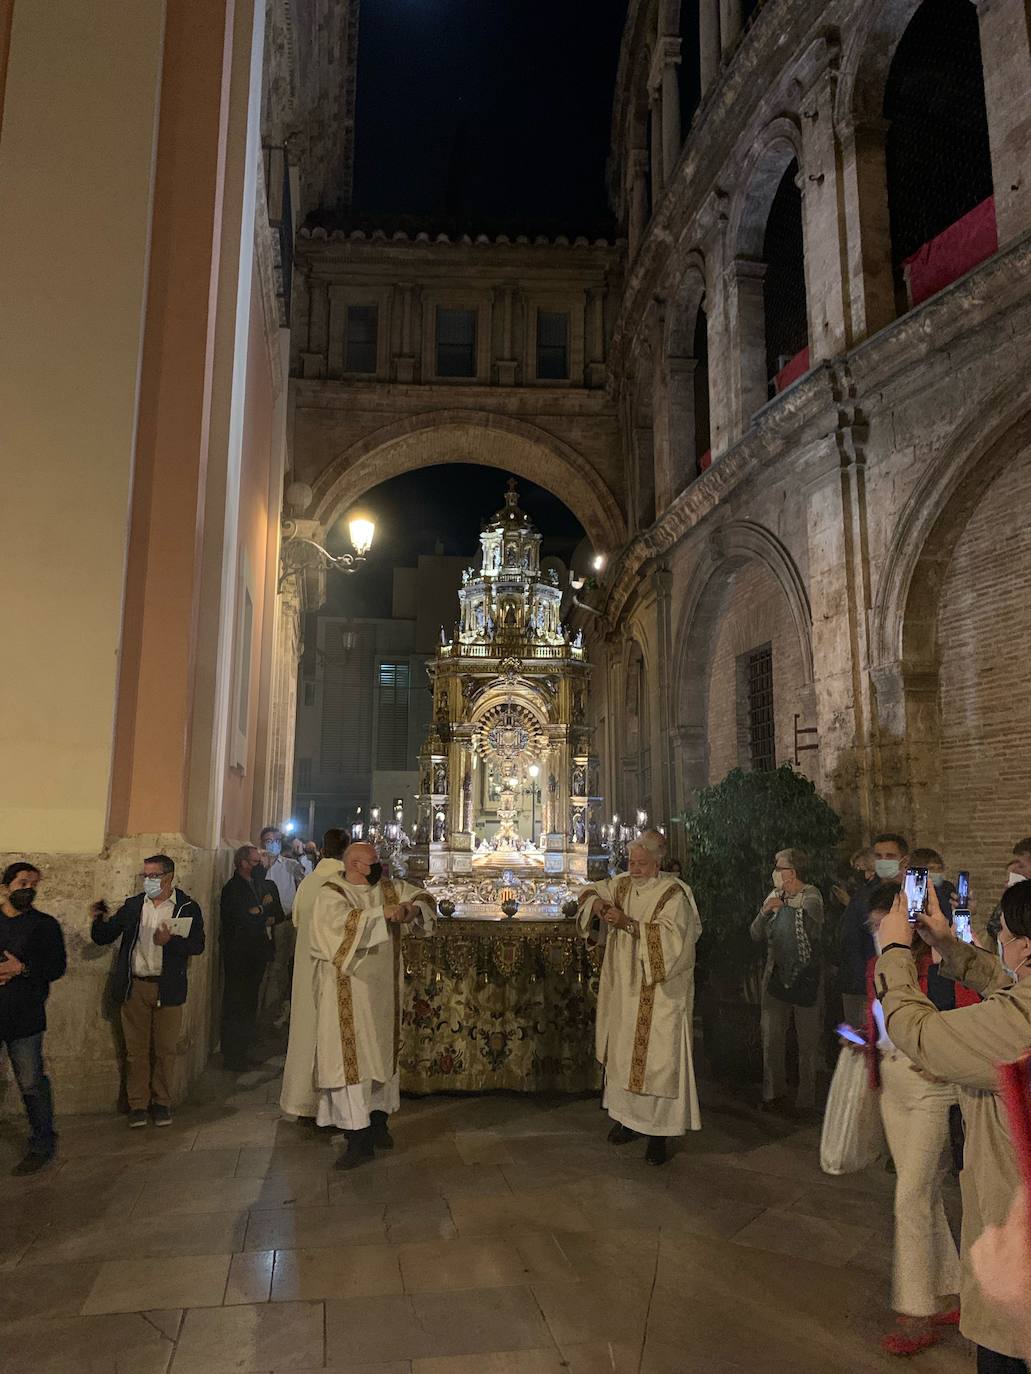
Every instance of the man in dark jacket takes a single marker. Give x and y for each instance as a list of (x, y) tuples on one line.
[(161, 927), (32, 956), (856, 946), (250, 908)]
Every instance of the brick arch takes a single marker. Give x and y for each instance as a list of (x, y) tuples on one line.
[(730, 549), (468, 436), (905, 605)]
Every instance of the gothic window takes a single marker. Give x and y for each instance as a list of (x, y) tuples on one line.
[(456, 342), (360, 339), (553, 344)]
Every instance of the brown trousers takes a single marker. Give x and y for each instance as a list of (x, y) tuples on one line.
[(149, 1029)]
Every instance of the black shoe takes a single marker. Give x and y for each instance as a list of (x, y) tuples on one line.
[(621, 1135), (359, 1149), (138, 1119), (31, 1164), (381, 1137), (161, 1116), (656, 1151)]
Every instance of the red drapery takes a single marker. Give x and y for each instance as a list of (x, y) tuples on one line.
[(705, 461), (791, 371), (952, 252)]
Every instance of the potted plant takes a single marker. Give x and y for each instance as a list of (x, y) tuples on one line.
[(736, 828)]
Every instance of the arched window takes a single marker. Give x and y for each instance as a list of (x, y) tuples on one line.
[(702, 437), (937, 156), (689, 75), (784, 298)]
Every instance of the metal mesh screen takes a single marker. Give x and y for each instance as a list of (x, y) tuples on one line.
[(784, 305), (937, 154)]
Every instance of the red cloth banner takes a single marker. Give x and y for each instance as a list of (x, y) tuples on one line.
[(954, 251), (705, 461), (790, 372)]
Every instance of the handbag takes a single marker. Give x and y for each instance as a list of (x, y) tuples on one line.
[(853, 1133), (795, 976)]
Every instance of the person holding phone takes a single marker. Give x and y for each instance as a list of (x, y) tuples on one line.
[(915, 1112), (965, 1047), (250, 909), (161, 929)]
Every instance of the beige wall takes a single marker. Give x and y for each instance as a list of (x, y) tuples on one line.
[(76, 170)]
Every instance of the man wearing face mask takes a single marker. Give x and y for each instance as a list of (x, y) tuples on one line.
[(150, 982), (359, 987), (32, 956), (856, 947)]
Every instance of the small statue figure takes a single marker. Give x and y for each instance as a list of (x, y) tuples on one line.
[(579, 832), (578, 642), (552, 577)]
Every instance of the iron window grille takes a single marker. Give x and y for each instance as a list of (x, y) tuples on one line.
[(762, 748)]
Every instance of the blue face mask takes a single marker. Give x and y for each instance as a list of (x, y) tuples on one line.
[(274, 847), (887, 868), (939, 879), (152, 887)]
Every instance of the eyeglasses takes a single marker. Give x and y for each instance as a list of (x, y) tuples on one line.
[(141, 877)]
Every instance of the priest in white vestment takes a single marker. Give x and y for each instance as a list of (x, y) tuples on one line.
[(297, 1097), (648, 925), (359, 991)]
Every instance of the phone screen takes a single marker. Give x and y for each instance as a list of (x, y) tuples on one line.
[(916, 892), (963, 889), (850, 1034), (961, 925)]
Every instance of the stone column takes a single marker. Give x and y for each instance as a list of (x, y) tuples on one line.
[(662, 734), (825, 267), (708, 42), (722, 411), (314, 359), (404, 363), (508, 365), (637, 194), (730, 23), (743, 283), (672, 132), (864, 186), (657, 168), (1006, 61), (595, 317)]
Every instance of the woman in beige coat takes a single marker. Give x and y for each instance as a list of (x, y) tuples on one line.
[(965, 1047)]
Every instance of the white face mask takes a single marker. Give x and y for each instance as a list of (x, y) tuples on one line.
[(887, 868), (152, 887), (778, 879), (1014, 878)]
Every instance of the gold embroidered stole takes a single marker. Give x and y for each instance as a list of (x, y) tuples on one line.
[(646, 1001), (345, 1004)]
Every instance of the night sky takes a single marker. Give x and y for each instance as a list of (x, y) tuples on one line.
[(487, 111), (487, 114), (447, 503)]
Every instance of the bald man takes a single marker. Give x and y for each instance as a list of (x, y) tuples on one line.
[(356, 930), (648, 925)]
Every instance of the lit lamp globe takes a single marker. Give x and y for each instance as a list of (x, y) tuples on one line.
[(362, 531), (534, 771)]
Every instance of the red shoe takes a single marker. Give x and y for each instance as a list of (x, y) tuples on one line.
[(899, 1343), (949, 1318)]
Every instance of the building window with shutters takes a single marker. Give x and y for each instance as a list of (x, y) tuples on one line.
[(361, 338), (552, 345), (393, 681), (455, 342), (758, 665)]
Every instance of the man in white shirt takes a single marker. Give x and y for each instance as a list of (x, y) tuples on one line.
[(161, 928)]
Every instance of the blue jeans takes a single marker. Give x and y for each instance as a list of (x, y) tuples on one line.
[(27, 1063)]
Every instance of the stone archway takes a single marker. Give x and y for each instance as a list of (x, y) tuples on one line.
[(469, 436), (737, 550)]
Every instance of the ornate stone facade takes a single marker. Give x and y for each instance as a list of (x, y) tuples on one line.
[(831, 511)]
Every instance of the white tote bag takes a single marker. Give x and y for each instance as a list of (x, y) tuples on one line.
[(853, 1136)]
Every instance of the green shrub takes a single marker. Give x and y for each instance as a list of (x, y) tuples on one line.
[(736, 828)]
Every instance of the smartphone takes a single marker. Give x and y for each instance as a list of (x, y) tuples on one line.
[(850, 1034), (962, 927), (916, 892), (1015, 1082), (963, 890)]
